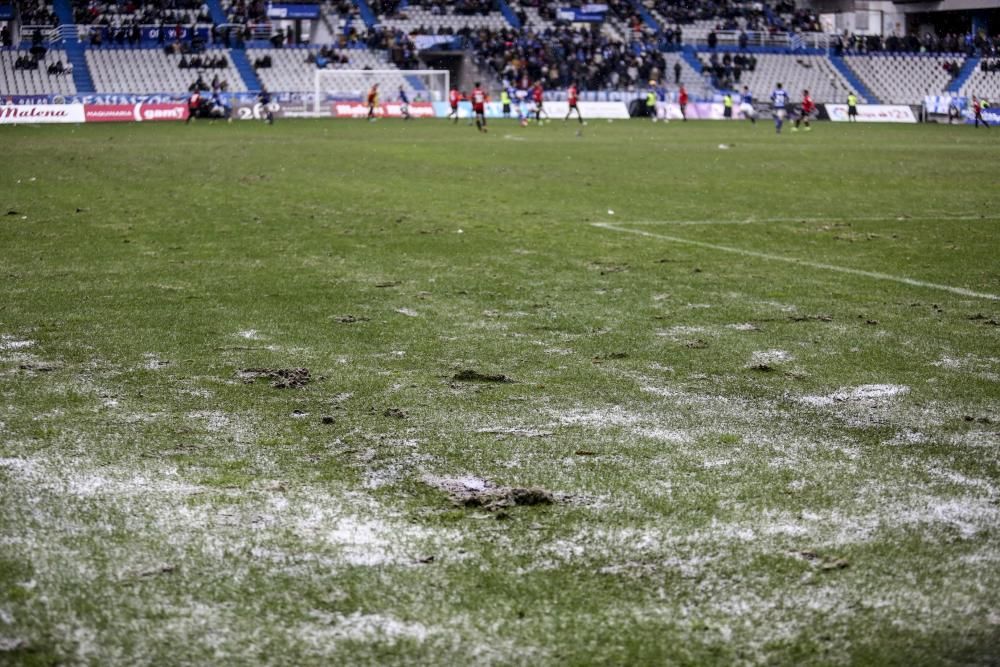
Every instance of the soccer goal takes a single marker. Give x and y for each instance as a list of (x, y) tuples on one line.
[(343, 92)]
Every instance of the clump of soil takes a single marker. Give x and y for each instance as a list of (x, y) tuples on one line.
[(37, 368), (476, 492), (476, 376), (697, 344), (610, 357), (826, 563), (395, 412), (807, 318), (281, 378), (350, 319)]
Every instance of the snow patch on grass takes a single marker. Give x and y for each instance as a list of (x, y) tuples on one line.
[(870, 393), (769, 357), (327, 629), (11, 343), (213, 420), (680, 332), (601, 417)]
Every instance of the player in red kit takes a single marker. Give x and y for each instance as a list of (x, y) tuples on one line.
[(372, 101), (808, 108), (479, 107), (537, 96), (453, 98), (682, 101), (571, 96)]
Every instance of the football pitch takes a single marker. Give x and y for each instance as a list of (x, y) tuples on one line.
[(340, 393)]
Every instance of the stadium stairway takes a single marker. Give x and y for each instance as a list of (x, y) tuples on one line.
[(216, 11), (647, 18), (509, 14), (690, 56), (242, 64), (367, 15), (75, 53), (964, 72), (860, 88)]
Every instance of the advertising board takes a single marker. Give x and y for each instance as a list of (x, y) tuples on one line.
[(873, 113)]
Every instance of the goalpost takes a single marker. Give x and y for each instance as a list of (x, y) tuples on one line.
[(350, 87)]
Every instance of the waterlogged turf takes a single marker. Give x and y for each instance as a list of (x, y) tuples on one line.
[(402, 393)]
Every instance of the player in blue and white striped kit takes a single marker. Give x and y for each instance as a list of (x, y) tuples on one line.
[(779, 99), (746, 105)]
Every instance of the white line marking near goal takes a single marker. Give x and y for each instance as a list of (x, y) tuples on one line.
[(801, 262), (754, 221)]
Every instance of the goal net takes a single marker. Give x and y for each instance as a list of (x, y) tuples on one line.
[(344, 92)]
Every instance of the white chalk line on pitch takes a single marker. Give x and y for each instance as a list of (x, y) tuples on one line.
[(753, 221), (801, 262)]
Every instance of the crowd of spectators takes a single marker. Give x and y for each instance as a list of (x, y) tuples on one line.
[(216, 86), (26, 62), (327, 57), (970, 44), (990, 66), (208, 62), (36, 12), (57, 68), (33, 61), (561, 55), (728, 15), (401, 49), (115, 13), (394, 9), (247, 11), (727, 71)]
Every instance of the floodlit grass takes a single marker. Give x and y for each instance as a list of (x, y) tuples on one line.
[(762, 395)]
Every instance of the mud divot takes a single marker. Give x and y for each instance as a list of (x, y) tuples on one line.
[(281, 378), (480, 493), (469, 375)]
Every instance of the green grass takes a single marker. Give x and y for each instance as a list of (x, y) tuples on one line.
[(759, 451)]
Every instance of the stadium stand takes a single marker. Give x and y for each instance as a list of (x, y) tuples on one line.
[(796, 73), (901, 78), (244, 11), (417, 20), (114, 14), (535, 16), (291, 70), (36, 80), (985, 84), (36, 13), (153, 71)]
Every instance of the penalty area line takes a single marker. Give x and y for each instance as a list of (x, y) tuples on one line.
[(800, 262), (753, 220)]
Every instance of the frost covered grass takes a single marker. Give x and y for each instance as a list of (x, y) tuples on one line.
[(278, 410)]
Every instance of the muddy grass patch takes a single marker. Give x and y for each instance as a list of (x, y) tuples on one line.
[(476, 492), (470, 375), (281, 378)]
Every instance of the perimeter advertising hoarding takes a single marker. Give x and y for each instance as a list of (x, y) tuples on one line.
[(348, 109), (292, 11), (601, 110), (13, 114), (873, 113), (127, 113)]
